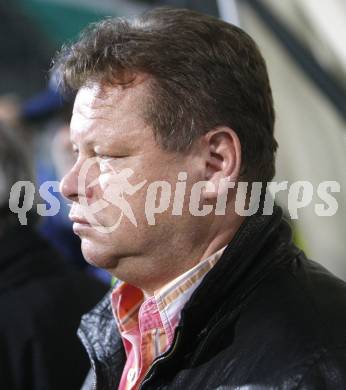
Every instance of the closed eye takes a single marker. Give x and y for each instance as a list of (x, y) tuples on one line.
[(108, 157), (104, 156)]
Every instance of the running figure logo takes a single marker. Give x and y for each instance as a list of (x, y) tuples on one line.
[(114, 186)]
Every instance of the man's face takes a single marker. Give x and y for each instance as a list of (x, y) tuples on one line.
[(118, 157)]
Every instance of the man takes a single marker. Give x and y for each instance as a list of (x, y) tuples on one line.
[(41, 297), (205, 300)]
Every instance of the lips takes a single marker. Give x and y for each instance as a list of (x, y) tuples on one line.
[(79, 216), (79, 220), (76, 215)]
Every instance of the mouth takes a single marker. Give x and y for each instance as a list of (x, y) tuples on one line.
[(79, 224), (79, 221)]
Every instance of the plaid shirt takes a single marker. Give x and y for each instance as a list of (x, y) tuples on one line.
[(147, 326)]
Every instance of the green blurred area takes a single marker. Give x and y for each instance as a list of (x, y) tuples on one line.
[(61, 22)]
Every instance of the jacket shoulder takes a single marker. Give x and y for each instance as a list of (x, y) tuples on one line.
[(291, 328), (310, 298)]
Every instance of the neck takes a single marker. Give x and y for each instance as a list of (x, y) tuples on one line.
[(219, 238), (172, 255)]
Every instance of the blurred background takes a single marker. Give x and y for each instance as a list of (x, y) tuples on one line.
[(303, 42)]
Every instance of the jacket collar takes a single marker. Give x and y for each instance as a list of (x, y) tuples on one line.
[(261, 242)]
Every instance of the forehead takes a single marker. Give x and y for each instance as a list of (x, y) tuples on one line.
[(108, 111)]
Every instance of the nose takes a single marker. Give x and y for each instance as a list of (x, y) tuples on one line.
[(76, 183), (69, 184)]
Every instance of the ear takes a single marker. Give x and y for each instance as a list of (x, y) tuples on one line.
[(222, 159)]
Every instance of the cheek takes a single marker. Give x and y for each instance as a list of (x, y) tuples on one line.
[(105, 180), (114, 183), (122, 200)]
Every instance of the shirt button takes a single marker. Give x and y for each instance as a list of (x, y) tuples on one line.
[(131, 375)]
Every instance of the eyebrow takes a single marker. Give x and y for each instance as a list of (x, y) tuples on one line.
[(91, 143), (88, 144), (91, 117)]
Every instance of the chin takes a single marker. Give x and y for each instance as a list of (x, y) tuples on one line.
[(97, 256)]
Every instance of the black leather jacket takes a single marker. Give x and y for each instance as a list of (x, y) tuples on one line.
[(265, 317)]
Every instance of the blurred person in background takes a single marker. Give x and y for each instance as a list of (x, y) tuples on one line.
[(41, 297), (208, 301), (43, 120)]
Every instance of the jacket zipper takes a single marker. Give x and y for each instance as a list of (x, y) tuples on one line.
[(94, 376), (166, 356), (91, 359)]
